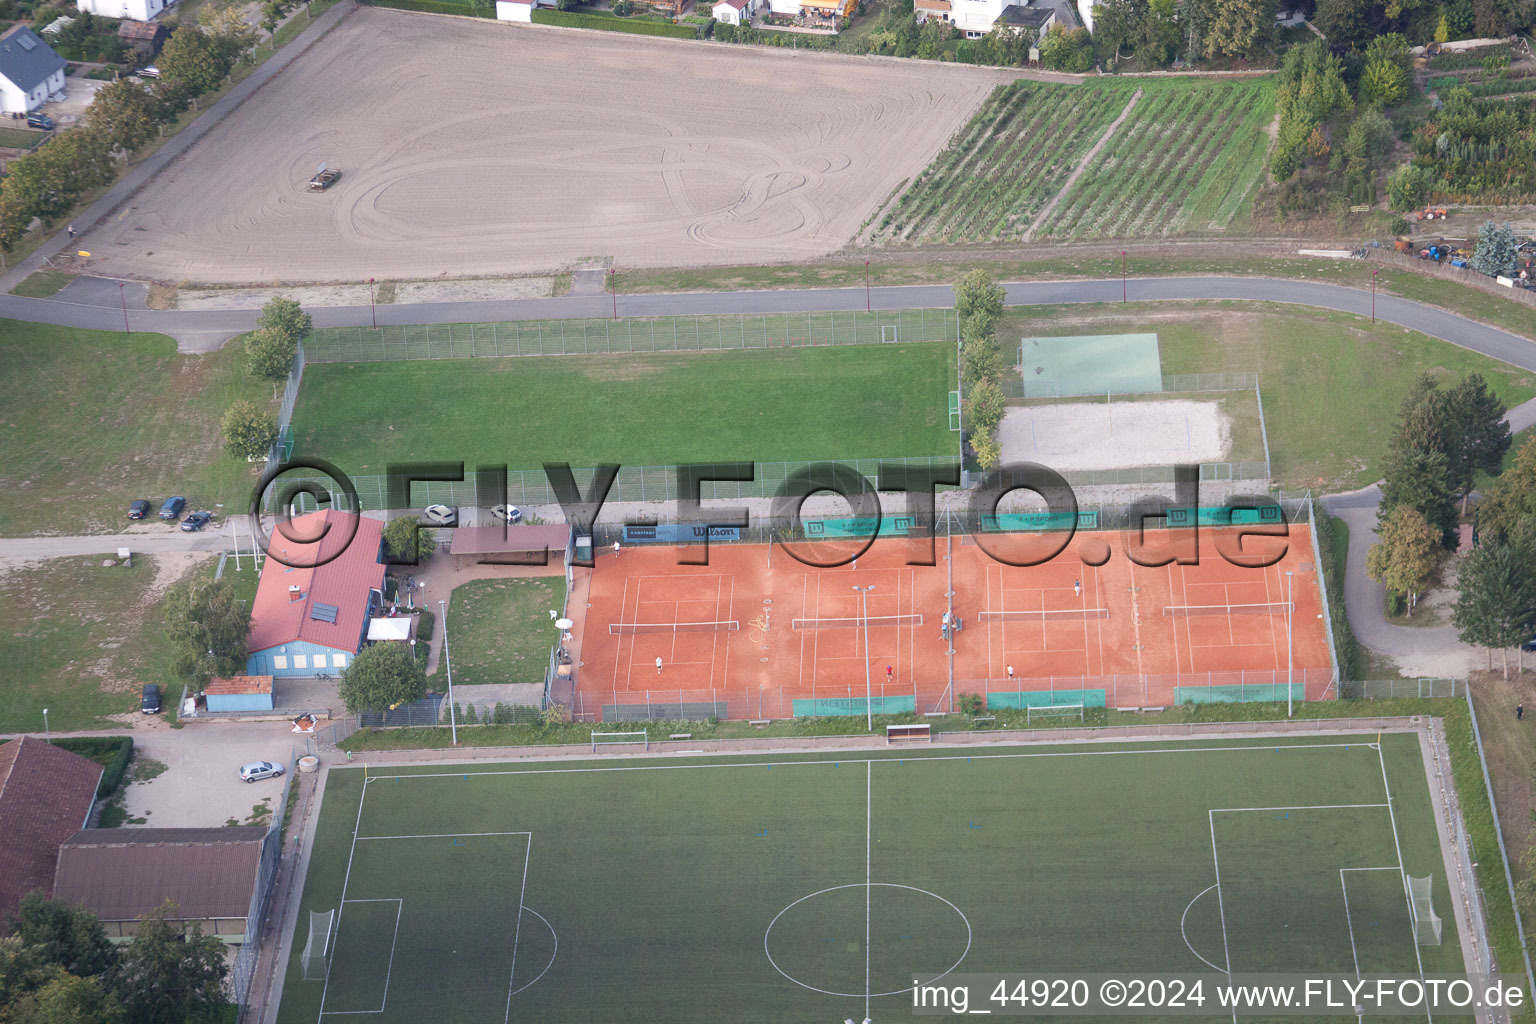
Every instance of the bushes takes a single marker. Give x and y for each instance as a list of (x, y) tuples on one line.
[(605, 22), (111, 752)]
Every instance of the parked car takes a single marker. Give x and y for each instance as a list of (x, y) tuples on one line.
[(37, 119), (196, 521), (138, 509), (260, 770), (324, 179), (442, 515), (149, 700), (508, 513), (149, 71), (172, 507)]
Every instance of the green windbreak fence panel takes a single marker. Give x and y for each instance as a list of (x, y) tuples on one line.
[(1223, 516), (1045, 699), (890, 526), (1237, 694), (818, 706), (1033, 522)]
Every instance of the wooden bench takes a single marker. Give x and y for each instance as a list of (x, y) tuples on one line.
[(759, 722), (989, 719), (681, 736)]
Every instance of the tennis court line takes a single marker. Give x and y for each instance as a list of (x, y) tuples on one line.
[(834, 759), (389, 970)]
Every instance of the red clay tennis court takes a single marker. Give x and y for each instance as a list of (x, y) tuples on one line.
[(757, 634)]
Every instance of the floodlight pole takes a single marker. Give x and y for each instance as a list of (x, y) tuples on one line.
[(373, 312), (1373, 295), (869, 691), (613, 286), (122, 295), (867, 307), (46, 733), (1122, 276), (1290, 701), (453, 722)]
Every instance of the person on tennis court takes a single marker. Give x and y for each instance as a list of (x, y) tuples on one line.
[(1077, 587), (658, 666), (1010, 673), (615, 549)]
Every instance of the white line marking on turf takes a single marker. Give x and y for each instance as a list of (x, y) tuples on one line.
[(1220, 904), (869, 827), (389, 970), (450, 835), (1304, 807), (1182, 932), (833, 758), (357, 827), (517, 931), (553, 953), (1349, 921), (1407, 896)]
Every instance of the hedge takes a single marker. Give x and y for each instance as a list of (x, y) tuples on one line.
[(608, 23), (436, 7), (111, 752)]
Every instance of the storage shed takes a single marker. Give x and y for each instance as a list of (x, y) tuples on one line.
[(239, 693)]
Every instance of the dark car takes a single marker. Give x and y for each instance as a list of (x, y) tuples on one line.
[(138, 509), (196, 521), (37, 120), (1529, 645), (172, 507), (149, 700), (324, 179)]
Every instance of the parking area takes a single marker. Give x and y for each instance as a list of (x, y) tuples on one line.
[(201, 784)]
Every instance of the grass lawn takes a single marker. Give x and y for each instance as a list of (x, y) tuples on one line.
[(1332, 382), (42, 283), (82, 638), (19, 138), (95, 419), (813, 888), (501, 631), (765, 406)]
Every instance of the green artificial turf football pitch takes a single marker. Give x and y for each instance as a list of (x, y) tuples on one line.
[(816, 888)]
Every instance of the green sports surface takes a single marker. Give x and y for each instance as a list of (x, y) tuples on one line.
[(816, 888)]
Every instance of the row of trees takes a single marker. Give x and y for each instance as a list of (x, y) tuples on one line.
[(249, 429), (979, 308), (1496, 603), (46, 184), (58, 967)]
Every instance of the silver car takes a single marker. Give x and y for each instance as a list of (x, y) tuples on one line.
[(260, 770), (441, 515)]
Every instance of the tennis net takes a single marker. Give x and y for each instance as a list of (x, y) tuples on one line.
[(630, 628), (1043, 614), (874, 621), (1263, 608)]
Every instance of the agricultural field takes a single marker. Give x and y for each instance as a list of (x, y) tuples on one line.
[(1186, 159)]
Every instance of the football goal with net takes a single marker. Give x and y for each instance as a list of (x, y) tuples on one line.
[(1426, 923), (611, 739), (1040, 711), (317, 951)]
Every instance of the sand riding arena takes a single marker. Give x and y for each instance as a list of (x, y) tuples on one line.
[(471, 148)]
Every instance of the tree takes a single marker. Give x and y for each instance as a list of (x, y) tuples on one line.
[(985, 404), (381, 677), (1157, 37), (166, 977), (1383, 83), (249, 431), (1115, 25), (1409, 186), (1407, 554), (286, 317), (1417, 479), (407, 542), (1479, 433), (1496, 606), (1070, 51), (191, 60), (269, 355), (206, 624), (1346, 23), (980, 358), (1495, 254), (128, 114), (978, 302), (1391, 46), (988, 452), (1510, 503), (66, 999), (1239, 28), (69, 937)]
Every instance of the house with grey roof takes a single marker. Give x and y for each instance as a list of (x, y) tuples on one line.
[(30, 72)]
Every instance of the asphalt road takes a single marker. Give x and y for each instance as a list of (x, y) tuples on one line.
[(206, 329)]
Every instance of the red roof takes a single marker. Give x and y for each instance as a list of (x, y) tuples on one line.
[(240, 684), (738, 4), (281, 615), (45, 797)]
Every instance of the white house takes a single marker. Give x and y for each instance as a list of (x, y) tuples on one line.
[(736, 12), (1085, 11), (515, 10), (973, 17), (133, 10), (30, 72)]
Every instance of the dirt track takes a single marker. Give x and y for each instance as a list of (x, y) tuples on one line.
[(469, 148)]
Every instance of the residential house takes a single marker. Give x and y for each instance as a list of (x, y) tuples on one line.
[(977, 17), (132, 10), (736, 12), (211, 874), (46, 796), (316, 596), (1028, 18), (931, 10), (30, 72), (516, 10)]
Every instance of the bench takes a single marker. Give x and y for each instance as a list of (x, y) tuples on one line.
[(979, 719), (681, 736), (759, 722)]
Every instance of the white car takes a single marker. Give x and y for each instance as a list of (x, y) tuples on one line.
[(441, 515), (508, 513), (260, 770)]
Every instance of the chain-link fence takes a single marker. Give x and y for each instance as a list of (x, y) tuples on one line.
[(734, 331), (242, 968), (1379, 689), (1020, 387), (282, 448)]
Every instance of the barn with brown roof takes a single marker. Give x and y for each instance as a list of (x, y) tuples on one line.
[(46, 796), (121, 874)]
